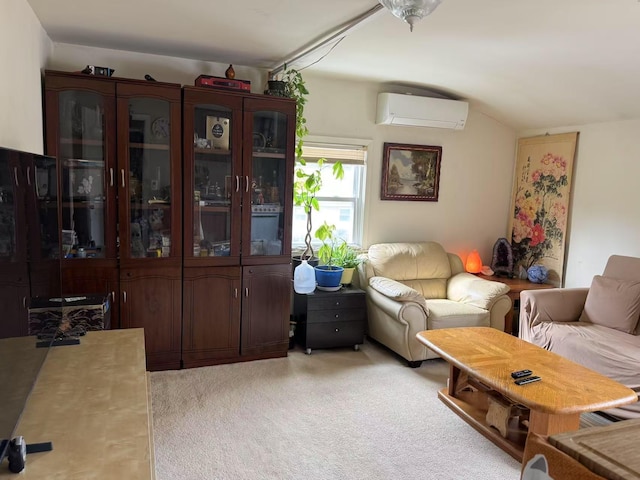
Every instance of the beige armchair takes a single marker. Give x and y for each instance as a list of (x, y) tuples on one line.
[(412, 287), (598, 327)]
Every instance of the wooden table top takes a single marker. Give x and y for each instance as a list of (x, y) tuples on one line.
[(609, 451), (91, 402), (490, 355)]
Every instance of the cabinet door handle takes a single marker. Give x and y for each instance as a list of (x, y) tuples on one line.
[(237, 183), (124, 297), (235, 292), (24, 302), (15, 174), (111, 176), (246, 292), (28, 176), (113, 296), (337, 315), (337, 329), (246, 188), (337, 304), (122, 171)]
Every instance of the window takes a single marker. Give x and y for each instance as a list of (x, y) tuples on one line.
[(341, 201)]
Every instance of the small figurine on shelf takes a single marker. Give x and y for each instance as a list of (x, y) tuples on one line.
[(230, 73)]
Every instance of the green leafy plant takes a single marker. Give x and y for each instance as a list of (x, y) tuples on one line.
[(347, 256), (329, 251), (307, 183)]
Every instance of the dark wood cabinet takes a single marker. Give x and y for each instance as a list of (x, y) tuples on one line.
[(212, 327), (119, 196), (151, 298), (177, 201), (266, 304), (238, 154), (330, 319)]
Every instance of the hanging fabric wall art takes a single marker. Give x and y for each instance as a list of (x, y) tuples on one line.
[(540, 203)]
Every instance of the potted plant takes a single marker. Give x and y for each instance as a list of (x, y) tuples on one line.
[(307, 183), (348, 258), (328, 275)]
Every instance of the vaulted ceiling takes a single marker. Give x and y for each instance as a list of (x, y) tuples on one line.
[(529, 64)]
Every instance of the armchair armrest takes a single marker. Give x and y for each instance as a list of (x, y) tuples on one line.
[(399, 294), (472, 290), (553, 305)]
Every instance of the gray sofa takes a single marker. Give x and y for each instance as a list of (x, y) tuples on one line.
[(597, 327)]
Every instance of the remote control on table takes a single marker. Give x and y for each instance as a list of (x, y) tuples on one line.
[(521, 373), (524, 381)]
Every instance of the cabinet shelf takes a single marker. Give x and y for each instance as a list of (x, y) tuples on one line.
[(149, 206), (150, 146), (82, 204), (80, 141), (215, 209), (268, 155), (212, 151)]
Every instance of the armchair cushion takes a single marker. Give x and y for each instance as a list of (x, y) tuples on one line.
[(613, 303), (398, 291), (469, 289)]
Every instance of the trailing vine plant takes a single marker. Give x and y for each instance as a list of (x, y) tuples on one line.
[(306, 184)]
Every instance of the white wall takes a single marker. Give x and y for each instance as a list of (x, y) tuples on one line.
[(67, 57), (24, 49), (475, 178), (605, 204)]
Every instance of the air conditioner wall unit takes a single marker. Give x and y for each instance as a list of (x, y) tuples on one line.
[(415, 111)]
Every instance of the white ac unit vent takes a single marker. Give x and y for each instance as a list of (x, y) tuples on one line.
[(410, 110)]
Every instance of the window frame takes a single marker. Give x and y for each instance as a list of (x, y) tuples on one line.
[(358, 201)]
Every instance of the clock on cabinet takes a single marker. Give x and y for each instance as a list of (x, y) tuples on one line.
[(160, 128)]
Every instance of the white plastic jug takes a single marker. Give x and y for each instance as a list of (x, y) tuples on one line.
[(304, 278)]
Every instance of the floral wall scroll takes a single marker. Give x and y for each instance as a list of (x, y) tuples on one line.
[(540, 203)]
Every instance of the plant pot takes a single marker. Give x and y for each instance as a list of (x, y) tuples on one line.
[(347, 276), (328, 276), (277, 88)]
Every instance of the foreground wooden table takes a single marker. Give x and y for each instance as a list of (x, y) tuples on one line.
[(91, 401), (482, 392)]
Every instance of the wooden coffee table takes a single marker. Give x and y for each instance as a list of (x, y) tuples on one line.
[(482, 392)]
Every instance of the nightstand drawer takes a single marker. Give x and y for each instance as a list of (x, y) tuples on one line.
[(350, 315), (335, 302), (334, 334)]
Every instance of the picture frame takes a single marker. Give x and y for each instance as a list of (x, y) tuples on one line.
[(540, 203), (411, 172)]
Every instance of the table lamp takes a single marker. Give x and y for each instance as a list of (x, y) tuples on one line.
[(474, 262)]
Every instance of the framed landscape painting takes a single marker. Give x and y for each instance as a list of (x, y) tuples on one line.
[(540, 203), (410, 172)]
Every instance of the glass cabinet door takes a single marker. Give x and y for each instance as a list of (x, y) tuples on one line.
[(148, 180), (82, 156), (210, 196), (268, 172)]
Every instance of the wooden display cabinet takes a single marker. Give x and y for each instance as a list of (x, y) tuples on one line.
[(238, 155), (119, 196)]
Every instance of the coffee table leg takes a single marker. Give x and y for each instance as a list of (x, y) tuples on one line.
[(549, 424)]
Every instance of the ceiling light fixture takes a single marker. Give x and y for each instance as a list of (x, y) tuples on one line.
[(411, 10)]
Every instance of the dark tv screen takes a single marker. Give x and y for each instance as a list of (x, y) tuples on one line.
[(29, 268)]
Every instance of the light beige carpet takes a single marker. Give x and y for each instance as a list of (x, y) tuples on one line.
[(334, 414)]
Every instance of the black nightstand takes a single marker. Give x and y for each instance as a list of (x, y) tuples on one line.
[(330, 319)]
